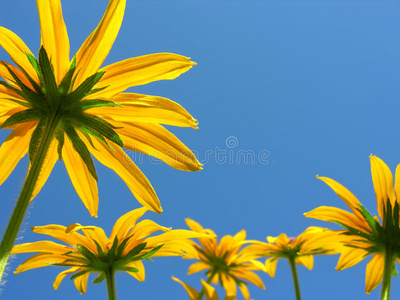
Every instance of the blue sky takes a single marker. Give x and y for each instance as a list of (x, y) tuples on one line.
[(301, 87)]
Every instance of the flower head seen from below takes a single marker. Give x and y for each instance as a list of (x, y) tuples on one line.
[(363, 234), (225, 262), (93, 252), (71, 109), (313, 241)]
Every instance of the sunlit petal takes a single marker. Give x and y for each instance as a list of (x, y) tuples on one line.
[(374, 272), (350, 257), (62, 275), (81, 283), (192, 293), (140, 275), (305, 260), (126, 222), (42, 246), (38, 261)]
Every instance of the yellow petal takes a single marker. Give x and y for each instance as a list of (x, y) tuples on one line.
[(54, 35), (95, 49), (174, 235), (141, 70), (42, 246), (250, 277), (62, 275), (59, 232), (121, 164), (47, 167), (81, 282), (126, 222), (351, 201), (83, 182), (229, 284), (92, 233), (397, 183), (332, 214), (270, 265), (155, 140), (8, 77), (137, 108), (211, 293), (40, 260), (350, 257), (192, 293), (17, 50), (374, 272), (14, 148), (305, 260), (181, 248), (383, 183), (7, 112), (140, 275), (281, 240), (197, 267)]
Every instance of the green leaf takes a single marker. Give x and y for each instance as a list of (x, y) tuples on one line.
[(79, 274), (82, 150), (49, 79), (28, 115), (72, 98), (37, 136), (65, 84), (100, 278), (92, 103)]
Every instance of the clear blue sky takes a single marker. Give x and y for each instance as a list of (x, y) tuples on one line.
[(303, 87)]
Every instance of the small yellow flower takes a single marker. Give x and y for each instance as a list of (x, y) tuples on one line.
[(314, 240), (93, 252), (364, 234), (226, 262), (76, 108)]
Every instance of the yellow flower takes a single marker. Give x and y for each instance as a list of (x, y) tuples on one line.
[(364, 234), (128, 244), (75, 108), (314, 240), (226, 262)]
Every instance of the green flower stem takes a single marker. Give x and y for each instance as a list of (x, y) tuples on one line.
[(295, 277), (387, 273), (26, 193), (203, 291), (110, 283)]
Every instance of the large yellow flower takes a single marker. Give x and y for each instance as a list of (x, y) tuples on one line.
[(67, 109), (226, 262), (364, 234), (128, 244), (299, 250)]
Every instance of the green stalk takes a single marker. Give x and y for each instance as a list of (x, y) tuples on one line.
[(26, 193), (202, 292), (110, 283), (295, 277), (387, 273)]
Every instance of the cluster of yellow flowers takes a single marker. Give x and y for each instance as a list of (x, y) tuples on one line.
[(72, 109)]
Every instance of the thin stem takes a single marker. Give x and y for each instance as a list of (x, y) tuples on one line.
[(26, 194), (295, 277), (110, 283), (202, 292), (387, 273)]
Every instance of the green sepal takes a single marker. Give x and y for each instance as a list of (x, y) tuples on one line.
[(353, 231), (17, 91), (92, 103), (82, 150), (69, 263), (79, 274), (87, 253), (135, 251), (373, 224), (93, 91), (129, 269), (149, 254), (28, 115), (27, 93), (32, 82), (96, 126), (60, 138), (112, 252), (20, 102), (36, 138), (82, 90), (35, 65), (87, 136), (65, 84), (49, 79), (121, 247), (100, 252), (100, 278)]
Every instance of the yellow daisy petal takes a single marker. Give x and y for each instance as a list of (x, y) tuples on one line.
[(374, 272), (192, 293), (54, 36), (305, 260), (141, 70), (17, 50), (397, 183), (83, 182), (126, 222), (210, 292), (197, 267), (250, 277), (81, 283), (95, 49), (137, 108), (62, 275), (121, 164), (140, 275), (350, 257), (5, 74), (42, 246), (14, 148), (38, 261)]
